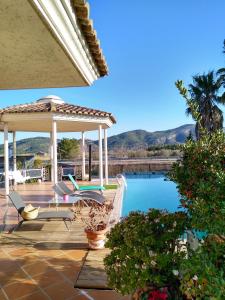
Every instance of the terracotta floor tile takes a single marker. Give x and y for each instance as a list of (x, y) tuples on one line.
[(63, 263), (39, 295), (7, 265), (61, 291), (27, 260), (3, 254), (77, 255), (36, 268), (2, 297), (48, 253), (45, 279), (17, 290), (71, 273), (78, 297), (21, 252), (12, 276)]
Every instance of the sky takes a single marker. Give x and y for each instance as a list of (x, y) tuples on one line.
[(148, 45)]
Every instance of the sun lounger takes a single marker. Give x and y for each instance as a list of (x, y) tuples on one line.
[(85, 187), (79, 195), (19, 204)]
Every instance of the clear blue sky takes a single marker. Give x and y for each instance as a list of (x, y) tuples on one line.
[(148, 45)]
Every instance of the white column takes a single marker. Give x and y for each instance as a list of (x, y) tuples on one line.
[(51, 156), (83, 156), (6, 158), (14, 154), (14, 151), (106, 157), (100, 155), (54, 138)]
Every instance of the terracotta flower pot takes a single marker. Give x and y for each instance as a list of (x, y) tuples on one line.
[(96, 239)]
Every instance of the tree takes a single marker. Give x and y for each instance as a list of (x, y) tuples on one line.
[(68, 148), (221, 74), (204, 92), (37, 163), (189, 137), (200, 179)]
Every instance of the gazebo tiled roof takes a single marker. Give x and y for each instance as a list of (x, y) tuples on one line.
[(52, 106), (81, 8)]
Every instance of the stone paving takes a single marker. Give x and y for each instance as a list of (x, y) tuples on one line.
[(43, 260)]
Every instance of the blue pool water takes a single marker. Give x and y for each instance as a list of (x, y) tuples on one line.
[(149, 191)]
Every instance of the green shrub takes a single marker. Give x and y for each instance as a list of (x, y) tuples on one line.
[(200, 178), (146, 251), (204, 272)]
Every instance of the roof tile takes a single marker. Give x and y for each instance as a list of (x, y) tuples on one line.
[(54, 107)]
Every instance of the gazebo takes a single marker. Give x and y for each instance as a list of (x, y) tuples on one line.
[(51, 114)]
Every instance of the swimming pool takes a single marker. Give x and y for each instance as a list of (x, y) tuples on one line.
[(149, 191)]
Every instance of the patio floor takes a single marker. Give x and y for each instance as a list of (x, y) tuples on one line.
[(42, 260)]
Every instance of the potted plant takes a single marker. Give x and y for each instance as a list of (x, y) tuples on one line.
[(146, 254), (97, 221)]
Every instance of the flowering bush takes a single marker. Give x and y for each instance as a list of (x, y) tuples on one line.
[(204, 271), (146, 251), (200, 178)]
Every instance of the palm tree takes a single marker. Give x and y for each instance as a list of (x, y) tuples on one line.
[(221, 72), (205, 92)]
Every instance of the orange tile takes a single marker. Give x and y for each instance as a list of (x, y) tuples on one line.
[(39, 295), (12, 276), (48, 253), (37, 267), (20, 289), (77, 255), (61, 291), (48, 278), (62, 262), (71, 273), (3, 254), (27, 260), (20, 252), (7, 265), (2, 297)]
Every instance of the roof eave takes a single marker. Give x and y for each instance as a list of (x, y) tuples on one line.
[(61, 21)]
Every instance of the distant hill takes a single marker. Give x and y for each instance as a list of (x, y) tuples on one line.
[(139, 139), (136, 139), (31, 145)]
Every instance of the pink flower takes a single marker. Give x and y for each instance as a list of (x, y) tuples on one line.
[(158, 295)]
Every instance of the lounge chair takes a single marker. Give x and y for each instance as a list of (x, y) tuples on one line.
[(18, 177), (19, 204), (61, 191), (85, 187)]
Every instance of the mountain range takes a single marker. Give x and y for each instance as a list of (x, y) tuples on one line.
[(135, 139)]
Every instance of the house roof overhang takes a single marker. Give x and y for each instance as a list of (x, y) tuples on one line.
[(38, 117), (48, 43)]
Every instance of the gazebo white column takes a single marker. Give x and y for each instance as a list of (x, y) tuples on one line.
[(6, 158), (100, 155), (51, 156), (83, 156), (14, 151), (54, 140), (106, 157), (14, 154)]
